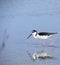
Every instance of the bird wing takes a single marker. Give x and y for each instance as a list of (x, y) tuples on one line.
[(46, 33)]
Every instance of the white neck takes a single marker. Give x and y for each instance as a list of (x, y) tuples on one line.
[(34, 34)]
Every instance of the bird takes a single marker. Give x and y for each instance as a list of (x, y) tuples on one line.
[(42, 36)]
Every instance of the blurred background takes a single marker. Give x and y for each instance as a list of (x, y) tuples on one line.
[(17, 19)]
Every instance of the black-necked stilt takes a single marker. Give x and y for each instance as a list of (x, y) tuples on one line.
[(41, 35)]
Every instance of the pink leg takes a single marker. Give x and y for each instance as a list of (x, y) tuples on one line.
[(43, 44), (52, 41), (52, 44)]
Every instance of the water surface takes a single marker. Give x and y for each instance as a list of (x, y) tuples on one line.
[(19, 17)]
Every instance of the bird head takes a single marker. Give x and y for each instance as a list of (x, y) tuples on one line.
[(34, 32)]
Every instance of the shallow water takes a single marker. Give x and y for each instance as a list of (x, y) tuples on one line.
[(18, 18)]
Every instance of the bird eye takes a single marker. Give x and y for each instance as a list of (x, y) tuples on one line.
[(33, 31)]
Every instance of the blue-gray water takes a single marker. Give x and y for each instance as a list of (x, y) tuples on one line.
[(19, 17)]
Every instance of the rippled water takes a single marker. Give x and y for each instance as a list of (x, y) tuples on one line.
[(18, 18)]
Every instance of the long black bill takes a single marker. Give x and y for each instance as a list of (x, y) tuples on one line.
[(29, 36)]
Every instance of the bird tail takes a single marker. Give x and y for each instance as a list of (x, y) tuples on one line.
[(54, 33)]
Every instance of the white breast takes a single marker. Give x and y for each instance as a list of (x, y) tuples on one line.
[(42, 37)]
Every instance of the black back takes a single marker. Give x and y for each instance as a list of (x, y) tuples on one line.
[(45, 33)]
